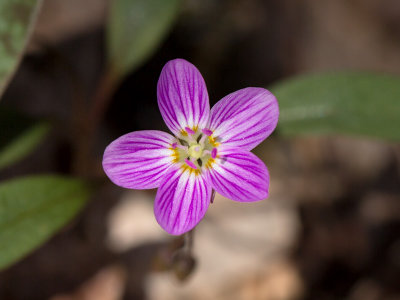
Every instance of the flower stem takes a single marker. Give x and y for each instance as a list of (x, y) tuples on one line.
[(189, 237), (83, 158)]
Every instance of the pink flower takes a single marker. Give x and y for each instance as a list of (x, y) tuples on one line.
[(209, 149)]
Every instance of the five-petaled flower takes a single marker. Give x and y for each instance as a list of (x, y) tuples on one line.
[(210, 149)]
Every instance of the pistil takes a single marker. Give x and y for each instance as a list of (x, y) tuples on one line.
[(196, 151)]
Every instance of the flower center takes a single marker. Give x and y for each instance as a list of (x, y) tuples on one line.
[(195, 148), (195, 151)]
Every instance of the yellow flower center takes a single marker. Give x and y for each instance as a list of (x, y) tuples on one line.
[(195, 151)]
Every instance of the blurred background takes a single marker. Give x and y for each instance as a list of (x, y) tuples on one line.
[(331, 226)]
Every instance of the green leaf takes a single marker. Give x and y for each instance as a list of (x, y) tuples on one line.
[(16, 22), (23, 144), (135, 30), (19, 135), (32, 209), (361, 104)]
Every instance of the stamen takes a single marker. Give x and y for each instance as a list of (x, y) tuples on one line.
[(182, 147), (190, 131), (207, 131), (214, 153), (179, 146), (190, 164), (203, 138)]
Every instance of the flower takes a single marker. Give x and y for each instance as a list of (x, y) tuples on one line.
[(210, 149)]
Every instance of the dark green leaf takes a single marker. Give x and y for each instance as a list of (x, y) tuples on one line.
[(361, 104), (16, 19), (135, 29), (34, 208)]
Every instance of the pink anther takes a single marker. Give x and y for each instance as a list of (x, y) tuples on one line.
[(190, 164), (214, 153), (207, 131), (190, 131)]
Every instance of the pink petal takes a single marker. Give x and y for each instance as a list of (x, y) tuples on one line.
[(182, 200), (139, 160), (239, 175), (244, 118), (182, 96)]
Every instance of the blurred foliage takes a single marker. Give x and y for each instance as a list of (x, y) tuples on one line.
[(23, 144), (19, 136), (16, 17), (32, 209), (135, 29), (340, 103)]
